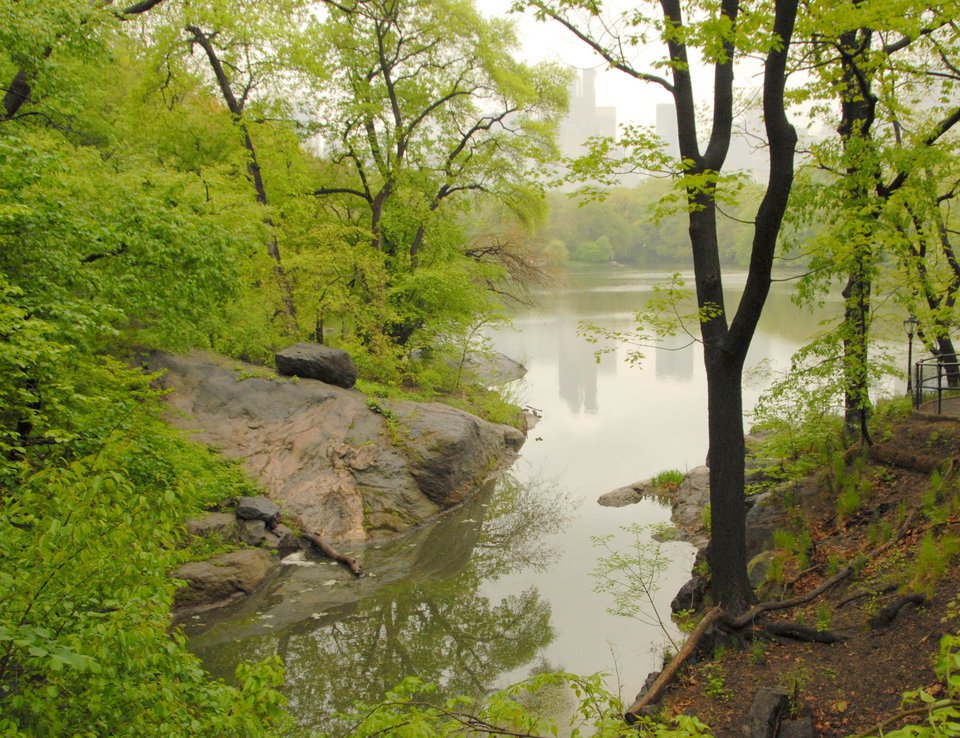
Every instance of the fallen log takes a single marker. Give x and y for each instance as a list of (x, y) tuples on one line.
[(331, 553), (632, 715)]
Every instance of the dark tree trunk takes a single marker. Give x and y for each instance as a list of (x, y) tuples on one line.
[(857, 113), (947, 355), (253, 169), (18, 92), (856, 327), (726, 341), (727, 554)]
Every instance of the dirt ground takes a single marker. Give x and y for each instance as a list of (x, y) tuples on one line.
[(851, 686)]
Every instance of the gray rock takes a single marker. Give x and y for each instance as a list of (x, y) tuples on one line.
[(758, 567), (253, 532), (222, 579), (446, 448), (258, 508), (282, 540), (768, 709), (765, 515), (215, 523), (691, 594), (802, 728), (492, 368), (316, 361), (628, 495)]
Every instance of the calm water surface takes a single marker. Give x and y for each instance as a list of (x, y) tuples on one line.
[(502, 586)]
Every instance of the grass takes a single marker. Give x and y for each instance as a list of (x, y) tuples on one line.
[(669, 480)]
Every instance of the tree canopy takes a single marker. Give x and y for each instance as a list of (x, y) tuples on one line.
[(159, 190)]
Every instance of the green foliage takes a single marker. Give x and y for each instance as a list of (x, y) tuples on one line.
[(645, 225), (96, 518), (933, 558), (421, 147), (411, 710), (715, 685), (940, 716), (669, 479), (593, 252), (794, 545), (824, 616), (631, 576)]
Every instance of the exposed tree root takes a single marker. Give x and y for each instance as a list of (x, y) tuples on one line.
[(801, 633), (756, 611), (885, 589), (887, 614), (782, 630)]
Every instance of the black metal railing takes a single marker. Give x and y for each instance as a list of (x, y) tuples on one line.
[(935, 385)]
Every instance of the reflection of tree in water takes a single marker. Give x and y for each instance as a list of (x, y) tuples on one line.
[(434, 623), (443, 632), (518, 517)]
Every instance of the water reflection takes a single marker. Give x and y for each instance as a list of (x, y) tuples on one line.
[(419, 612), (576, 370), (674, 358)]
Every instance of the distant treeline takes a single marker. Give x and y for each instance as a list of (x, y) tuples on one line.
[(645, 226)]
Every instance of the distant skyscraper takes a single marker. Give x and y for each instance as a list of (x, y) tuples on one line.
[(667, 128), (747, 152), (585, 119)]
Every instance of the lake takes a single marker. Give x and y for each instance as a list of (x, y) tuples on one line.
[(504, 586)]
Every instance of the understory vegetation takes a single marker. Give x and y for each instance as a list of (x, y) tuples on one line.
[(236, 176)]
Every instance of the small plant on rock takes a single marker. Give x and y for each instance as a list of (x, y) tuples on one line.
[(669, 480)]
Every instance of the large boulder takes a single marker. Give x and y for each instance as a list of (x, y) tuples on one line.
[(316, 361), (222, 579), (348, 469)]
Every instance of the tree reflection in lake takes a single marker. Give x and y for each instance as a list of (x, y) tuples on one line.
[(419, 613)]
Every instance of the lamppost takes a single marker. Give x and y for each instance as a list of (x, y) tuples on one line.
[(910, 326)]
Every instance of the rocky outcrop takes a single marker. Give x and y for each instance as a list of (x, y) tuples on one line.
[(348, 468), (316, 361), (687, 503)]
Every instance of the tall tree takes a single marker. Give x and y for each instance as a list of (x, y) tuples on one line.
[(724, 33), (883, 69), (241, 48), (426, 112)]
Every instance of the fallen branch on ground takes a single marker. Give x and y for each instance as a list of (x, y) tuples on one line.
[(330, 552), (669, 672)]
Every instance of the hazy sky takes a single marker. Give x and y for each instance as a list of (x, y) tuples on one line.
[(635, 101)]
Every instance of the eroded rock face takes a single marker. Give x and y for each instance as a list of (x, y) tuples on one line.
[(321, 453)]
